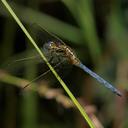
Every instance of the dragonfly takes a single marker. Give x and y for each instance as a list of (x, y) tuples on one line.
[(57, 52)]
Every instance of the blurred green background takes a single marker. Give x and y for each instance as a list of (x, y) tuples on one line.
[(97, 31)]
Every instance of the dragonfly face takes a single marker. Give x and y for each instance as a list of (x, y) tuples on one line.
[(53, 46)]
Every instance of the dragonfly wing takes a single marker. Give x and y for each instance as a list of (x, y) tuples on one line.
[(42, 35)]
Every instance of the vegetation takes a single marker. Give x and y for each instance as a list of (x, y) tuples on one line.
[(97, 31)]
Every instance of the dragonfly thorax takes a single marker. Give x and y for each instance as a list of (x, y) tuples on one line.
[(62, 50), (72, 56)]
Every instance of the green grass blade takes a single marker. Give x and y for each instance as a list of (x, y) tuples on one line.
[(80, 108)]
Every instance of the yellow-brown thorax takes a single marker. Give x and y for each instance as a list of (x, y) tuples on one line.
[(68, 52)]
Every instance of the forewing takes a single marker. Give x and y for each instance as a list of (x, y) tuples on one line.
[(41, 35)]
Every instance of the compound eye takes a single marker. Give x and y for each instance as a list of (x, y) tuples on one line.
[(52, 44)]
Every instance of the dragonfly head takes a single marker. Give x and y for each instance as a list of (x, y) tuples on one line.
[(52, 45)]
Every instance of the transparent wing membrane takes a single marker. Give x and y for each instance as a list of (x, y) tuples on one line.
[(42, 35)]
